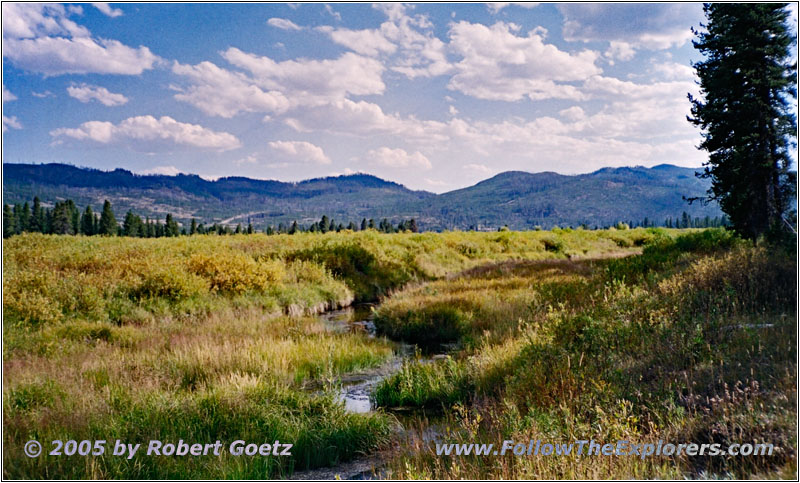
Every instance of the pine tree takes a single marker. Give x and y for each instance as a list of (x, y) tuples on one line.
[(9, 224), (250, 230), (293, 228), (25, 217), (363, 224), (171, 227), (108, 223), (62, 220), (87, 221), (193, 227), (324, 223), (132, 226), (746, 82), (412, 225), (37, 216)]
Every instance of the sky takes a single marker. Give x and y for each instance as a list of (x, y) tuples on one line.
[(434, 96)]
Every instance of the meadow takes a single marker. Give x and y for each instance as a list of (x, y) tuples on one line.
[(644, 333)]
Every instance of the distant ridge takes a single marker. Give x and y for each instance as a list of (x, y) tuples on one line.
[(519, 199)]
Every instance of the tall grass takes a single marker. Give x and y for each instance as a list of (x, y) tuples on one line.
[(693, 341), (204, 338)]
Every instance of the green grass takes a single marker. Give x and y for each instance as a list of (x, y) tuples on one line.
[(692, 341), (204, 338)]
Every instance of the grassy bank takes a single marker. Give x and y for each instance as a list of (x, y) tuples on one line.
[(692, 341), (207, 337)]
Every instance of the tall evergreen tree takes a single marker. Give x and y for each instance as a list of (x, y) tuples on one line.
[(108, 223), (62, 220), (193, 227), (25, 217), (9, 224), (37, 216), (87, 222), (171, 227), (132, 225), (746, 82)]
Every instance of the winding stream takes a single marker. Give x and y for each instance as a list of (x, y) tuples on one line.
[(356, 390)]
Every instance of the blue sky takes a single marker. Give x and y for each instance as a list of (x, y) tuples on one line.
[(434, 96)]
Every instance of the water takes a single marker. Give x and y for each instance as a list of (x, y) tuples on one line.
[(356, 390), (357, 387)]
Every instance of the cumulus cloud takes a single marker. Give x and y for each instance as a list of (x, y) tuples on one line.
[(495, 7), (274, 87), (619, 51), (480, 169), (408, 39), (224, 93), (497, 64), (162, 170), (650, 26), (574, 113), (7, 95), (106, 9), (41, 38), (299, 152), (11, 122), (148, 133), (398, 158), (283, 24), (86, 93), (371, 42)]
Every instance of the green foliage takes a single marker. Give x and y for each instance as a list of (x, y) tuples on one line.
[(747, 81), (108, 223)]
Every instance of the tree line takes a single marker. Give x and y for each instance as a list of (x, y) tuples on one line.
[(64, 218)]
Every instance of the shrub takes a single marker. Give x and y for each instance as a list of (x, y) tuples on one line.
[(429, 326), (170, 282), (235, 272)]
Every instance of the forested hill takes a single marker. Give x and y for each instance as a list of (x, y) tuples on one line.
[(518, 199)]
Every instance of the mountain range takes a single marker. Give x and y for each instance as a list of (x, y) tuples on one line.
[(518, 199)]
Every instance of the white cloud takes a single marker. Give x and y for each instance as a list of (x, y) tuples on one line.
[(332, 12), (86, 93), (251, 159), (106, 9), (7, 95), (42, 95), (435, 183), (371, 42), (480, 169), (619, 51), (673, 71), (275, 87), (452, 110), (495, 7), (499, 65), (328, 79), (283, 24), (11, 122), (148, 134), (574, 113), (652, 26), (398, 158), (408, 39), (41, 38), (220, 92), (299, 151), (163, 170)]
